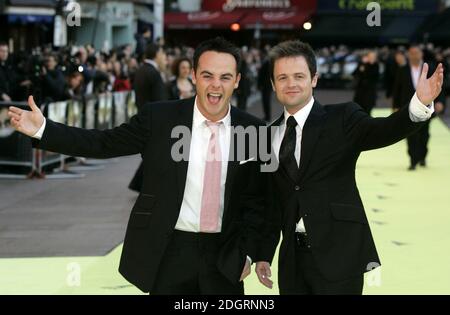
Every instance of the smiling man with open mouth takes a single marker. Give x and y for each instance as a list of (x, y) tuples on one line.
[(215, 83)]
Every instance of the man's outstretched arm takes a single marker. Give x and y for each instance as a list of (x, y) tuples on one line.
[(126, 139), (371, 133)]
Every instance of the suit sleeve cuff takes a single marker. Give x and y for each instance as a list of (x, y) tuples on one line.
[(420, 112), (38, 135)]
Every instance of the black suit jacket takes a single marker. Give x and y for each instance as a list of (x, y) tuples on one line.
[(366, 77), (8, 79), (325, 193), (155, 213), (148, 86)]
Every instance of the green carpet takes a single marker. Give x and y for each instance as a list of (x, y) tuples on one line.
[(408, 213)]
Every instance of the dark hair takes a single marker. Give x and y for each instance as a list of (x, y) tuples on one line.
[(415, 45), (151, 50), (2, 43), (176, 65), (221, 45), (293, 48), (91, 60), (50, 55)]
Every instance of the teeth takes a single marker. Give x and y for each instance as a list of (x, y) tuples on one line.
[(215, 95)]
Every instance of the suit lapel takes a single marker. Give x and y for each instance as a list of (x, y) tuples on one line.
[(410, 78), (277, 122), (184, 117), (310, 134), (233, 162)]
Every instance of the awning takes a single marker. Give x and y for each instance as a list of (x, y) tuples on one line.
[(437, 27), (201, 20), (403, 27), (354, 26), (43, 3), (275, 19), (30, 18), (25, 15)]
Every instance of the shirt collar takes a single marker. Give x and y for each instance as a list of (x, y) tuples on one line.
[(419, 67), (151, 62), (199, 119), (301, 115)]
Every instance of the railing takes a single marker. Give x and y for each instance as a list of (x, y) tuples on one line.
[(101, 111)]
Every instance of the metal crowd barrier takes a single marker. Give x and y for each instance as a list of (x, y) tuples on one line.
[(101, 111), (15, 148)]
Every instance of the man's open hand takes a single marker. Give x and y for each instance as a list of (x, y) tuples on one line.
[(429, 89), (27, 122)]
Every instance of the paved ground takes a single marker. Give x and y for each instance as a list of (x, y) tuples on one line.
[(41, 218)]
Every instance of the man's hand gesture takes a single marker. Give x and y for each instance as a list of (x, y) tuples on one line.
[(429, 89), (27, 122)]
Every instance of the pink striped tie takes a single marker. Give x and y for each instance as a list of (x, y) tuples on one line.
[(209, 213)]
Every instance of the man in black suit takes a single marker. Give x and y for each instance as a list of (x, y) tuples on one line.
[(265, 88), (327, 244), (149, 87), (7, 75), (405, 85), (193, 227), (148, 82), (366, 77)]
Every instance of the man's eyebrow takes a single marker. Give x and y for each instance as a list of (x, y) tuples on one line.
[(222, 75), (296, 73)]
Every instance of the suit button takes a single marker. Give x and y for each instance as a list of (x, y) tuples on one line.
[(309, 246), (297, 188)]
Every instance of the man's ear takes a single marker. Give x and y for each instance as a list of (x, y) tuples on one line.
[(193, 78), (238, 78), (314, 80)]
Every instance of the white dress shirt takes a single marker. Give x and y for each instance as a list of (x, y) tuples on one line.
[(417, 112), (415, 74), (189, 219), (152, 62)]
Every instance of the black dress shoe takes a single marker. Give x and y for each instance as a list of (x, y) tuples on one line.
[(423, 163), (412, 168)]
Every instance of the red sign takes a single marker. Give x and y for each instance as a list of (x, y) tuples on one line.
[(231, 5)]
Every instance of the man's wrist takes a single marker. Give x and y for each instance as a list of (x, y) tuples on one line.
[(40, 132)]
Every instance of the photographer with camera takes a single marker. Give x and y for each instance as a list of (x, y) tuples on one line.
[(7, 78), (52, 80)]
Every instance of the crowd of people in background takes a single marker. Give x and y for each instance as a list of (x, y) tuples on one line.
[(80, 70)]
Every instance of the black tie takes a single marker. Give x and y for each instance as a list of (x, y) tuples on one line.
[(287, 149)]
